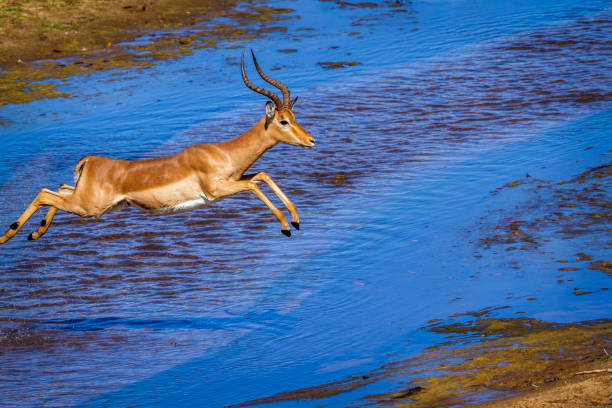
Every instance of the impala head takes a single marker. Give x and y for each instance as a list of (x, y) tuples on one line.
[(280, 122)]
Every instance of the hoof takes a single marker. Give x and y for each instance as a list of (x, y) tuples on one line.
[(286, 232), (296, 225), (30, 237), (14, 225)]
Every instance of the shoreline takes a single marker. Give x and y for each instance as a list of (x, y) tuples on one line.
[(71, 28), (488, 362), (84, 40)]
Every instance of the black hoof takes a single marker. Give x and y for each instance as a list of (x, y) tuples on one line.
[(286, 232), (43, 223), (30, 237), (296, 225), (14, 225)]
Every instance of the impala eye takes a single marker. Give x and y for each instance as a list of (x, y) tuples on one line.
[(284, 122)]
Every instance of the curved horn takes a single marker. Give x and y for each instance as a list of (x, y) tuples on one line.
[(278, 84), (262, 91)]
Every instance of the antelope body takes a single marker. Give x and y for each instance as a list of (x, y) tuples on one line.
[(195, 177)]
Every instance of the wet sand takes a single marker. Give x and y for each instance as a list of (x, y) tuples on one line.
[(577, 391)]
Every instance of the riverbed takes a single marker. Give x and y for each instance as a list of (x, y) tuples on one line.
[(445, 187)]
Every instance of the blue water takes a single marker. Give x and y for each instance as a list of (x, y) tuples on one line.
[(215, 307)]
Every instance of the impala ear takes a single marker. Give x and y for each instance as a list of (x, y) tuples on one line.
[(269, 110), (293, 102), (269, 114)]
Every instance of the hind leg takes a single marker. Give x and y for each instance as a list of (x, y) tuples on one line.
[(44, 198), (64, 189)]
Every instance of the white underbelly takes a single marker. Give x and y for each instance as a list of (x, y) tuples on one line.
[(185, 206)]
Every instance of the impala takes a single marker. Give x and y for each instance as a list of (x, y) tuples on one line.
[(195, 177)]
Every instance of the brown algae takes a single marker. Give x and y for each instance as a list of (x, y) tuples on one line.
[(338, 64), (579, 206)]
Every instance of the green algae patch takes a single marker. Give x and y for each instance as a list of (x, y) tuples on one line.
[(516, 355), (30, 82), (479, 357)]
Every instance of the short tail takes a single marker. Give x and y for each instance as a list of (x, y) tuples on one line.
[(78, 169)]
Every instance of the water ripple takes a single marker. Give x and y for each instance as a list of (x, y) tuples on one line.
[(132, 274)]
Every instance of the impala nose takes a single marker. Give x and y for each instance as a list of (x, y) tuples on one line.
[(312, 141)]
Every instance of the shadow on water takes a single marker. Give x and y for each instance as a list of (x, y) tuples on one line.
[(265, 321), (417, 145)]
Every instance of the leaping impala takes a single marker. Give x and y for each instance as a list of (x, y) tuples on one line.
[(199, 175)]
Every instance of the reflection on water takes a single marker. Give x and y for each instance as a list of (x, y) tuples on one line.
[(98, 304)]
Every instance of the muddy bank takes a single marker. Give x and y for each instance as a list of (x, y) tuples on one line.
[(66, 39), (488, 356), (43, 30)]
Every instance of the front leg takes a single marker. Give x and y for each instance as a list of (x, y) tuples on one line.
[(226, 188), (295, 219)]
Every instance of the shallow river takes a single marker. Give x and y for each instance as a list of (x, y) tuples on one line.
[(399, 203)]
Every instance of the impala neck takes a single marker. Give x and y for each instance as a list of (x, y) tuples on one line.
[(245, 149)]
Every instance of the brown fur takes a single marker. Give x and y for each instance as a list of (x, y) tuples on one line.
[(205, 172)]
